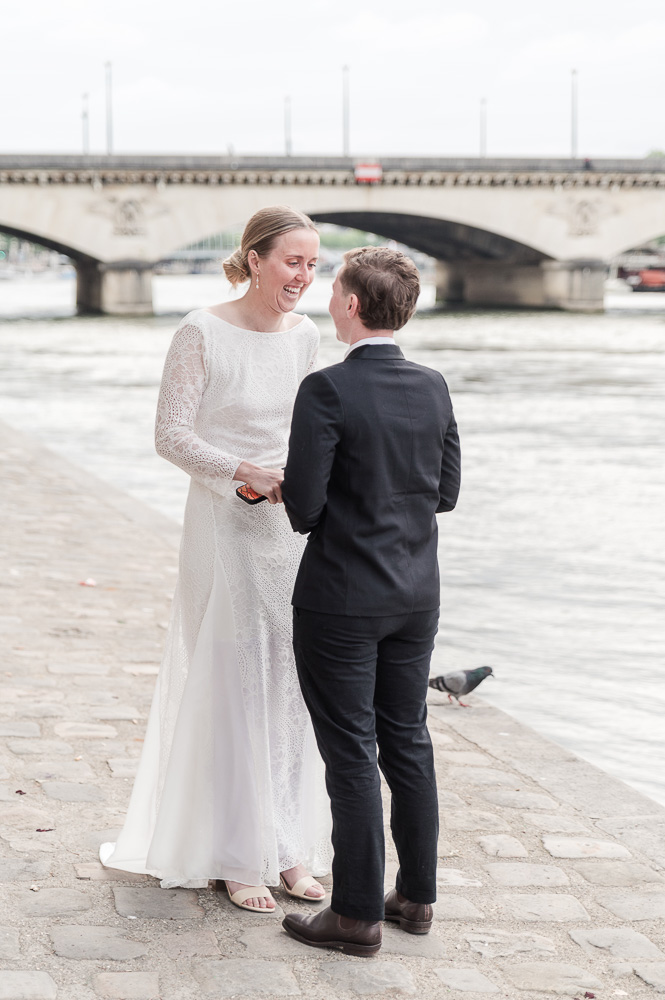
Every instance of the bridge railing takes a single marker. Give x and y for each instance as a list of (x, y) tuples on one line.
[(99, 171)]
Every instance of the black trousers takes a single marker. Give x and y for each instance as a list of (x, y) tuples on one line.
[(364, 681)]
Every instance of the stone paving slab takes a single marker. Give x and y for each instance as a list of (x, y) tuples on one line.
[(107, 943), (24, 985), (127, 985), (503, 944), (67, 791), (9, 942), (579, 847), (555, 824), (43, 747), (474, 819), (644, 832), (18, 870), (375, 978), (245, 977), (502, 846), (203, 942), (449, 907), (620, 942), (19, 729), (545, 907), (157, 904), (634, 905), (619, 873), (466, 980), (48, 902), (652, 973), (552, 977), (526, 874), (551, 873), (66, 770)]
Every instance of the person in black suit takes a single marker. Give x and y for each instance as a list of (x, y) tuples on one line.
[(373, 457)]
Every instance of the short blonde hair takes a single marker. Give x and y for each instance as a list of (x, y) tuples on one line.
[(386, 283), (260, 235)]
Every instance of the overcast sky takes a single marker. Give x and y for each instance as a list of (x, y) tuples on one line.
[(200, 76)]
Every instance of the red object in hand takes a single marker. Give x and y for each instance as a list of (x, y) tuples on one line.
[(247, 494)]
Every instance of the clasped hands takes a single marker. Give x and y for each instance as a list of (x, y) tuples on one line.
[(267, 482)]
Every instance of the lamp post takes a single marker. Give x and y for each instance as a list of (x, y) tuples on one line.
[(85, 125), (345, 111), (483, 127), (288, 144), (109, 110), (573, 114)]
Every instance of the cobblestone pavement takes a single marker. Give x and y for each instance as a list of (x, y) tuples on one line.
[(551, 878)]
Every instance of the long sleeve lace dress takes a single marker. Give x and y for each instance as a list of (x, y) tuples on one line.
[(230, 782)]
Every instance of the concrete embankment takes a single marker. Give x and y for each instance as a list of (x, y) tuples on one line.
[(551, 878)]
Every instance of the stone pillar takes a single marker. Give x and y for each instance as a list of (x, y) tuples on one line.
[(575, 285), (449, 282), (88, 286), (495, 283), (120, 288)]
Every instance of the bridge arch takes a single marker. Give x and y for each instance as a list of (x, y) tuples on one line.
[(126, 285), (442, 239), (50, 244), (641, 238)]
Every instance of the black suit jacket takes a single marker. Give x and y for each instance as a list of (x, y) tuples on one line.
[(373, 456)]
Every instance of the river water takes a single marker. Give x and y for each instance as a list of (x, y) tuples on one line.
[(553, 563)]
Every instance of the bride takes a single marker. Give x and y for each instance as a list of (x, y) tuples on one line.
[(230, 783)]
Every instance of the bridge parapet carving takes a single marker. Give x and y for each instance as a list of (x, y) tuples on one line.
[(390, 178)]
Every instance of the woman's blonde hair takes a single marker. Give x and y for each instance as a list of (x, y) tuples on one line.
[(260, 234)]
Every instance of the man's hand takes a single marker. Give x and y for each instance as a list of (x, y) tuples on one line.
[(266, 482)]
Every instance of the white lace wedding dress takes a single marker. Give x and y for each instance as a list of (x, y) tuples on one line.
[(230, 782)]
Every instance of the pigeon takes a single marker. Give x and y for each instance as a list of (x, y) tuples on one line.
[(460, 682)]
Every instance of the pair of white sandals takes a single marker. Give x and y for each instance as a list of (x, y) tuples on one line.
[(298, 891)]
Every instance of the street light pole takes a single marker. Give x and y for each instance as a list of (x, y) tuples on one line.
[(573, 115), (288, 145), (85, 125), (109, 110), (345, 111), (483, 127)]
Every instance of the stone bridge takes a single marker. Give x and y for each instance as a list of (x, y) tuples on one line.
[(506, 232)]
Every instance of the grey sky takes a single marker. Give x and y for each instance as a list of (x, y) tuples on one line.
[(198, 76)]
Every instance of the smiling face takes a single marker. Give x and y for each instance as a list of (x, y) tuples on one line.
[(288, 270)]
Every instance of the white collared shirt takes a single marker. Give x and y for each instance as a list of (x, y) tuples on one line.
[(369, 340)]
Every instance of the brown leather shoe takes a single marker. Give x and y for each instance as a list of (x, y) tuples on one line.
[(330, 930), (414, 918)]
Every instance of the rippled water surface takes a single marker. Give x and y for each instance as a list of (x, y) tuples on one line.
[(553, 562)]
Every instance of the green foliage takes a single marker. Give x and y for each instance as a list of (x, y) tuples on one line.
[(332, 238), (341, 238)]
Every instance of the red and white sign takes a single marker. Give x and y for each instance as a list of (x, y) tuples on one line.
[(368, 173)]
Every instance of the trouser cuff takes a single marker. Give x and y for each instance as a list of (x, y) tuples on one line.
[(371, 913), (413, 894)]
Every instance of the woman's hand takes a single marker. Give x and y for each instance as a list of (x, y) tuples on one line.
[(266, 482)]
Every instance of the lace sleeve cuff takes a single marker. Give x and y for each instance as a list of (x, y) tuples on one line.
[(183, 383)]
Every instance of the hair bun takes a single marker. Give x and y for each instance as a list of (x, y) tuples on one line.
[(235, 268)]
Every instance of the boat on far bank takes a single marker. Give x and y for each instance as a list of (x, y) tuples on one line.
[(639, 270)]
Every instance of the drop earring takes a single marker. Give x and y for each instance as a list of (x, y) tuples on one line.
[(257, 279)]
